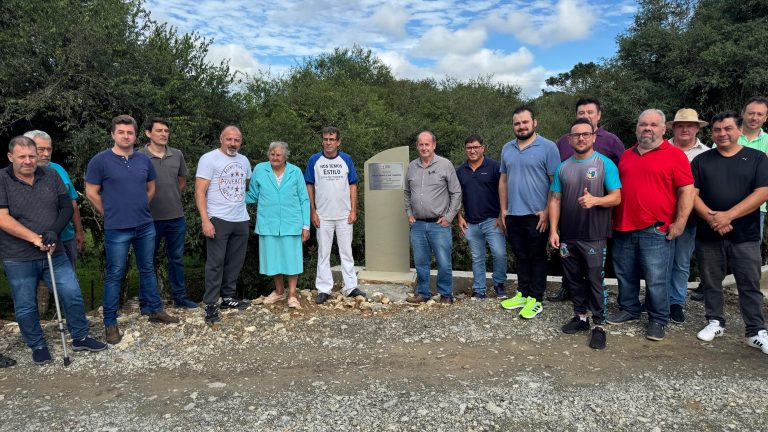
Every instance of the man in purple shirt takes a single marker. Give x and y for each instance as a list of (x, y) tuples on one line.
[(606, 143)]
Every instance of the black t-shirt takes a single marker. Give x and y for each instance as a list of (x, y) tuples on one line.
[(724, 182)]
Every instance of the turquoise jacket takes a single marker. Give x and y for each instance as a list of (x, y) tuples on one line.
[(281, 210)]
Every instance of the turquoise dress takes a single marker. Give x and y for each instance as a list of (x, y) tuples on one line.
[(282, 212)]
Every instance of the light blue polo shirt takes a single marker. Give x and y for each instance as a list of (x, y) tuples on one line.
[(528, 172), (68, 233)]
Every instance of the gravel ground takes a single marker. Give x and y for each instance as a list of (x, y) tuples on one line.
[(383, 365)]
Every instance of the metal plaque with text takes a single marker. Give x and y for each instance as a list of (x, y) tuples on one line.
[(386, 176)]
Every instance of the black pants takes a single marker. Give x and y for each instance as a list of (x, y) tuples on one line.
[(530, 249), (583, 273), (224, 259), (744, 259)]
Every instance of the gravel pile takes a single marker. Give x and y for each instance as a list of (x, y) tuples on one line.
[(378, 364)]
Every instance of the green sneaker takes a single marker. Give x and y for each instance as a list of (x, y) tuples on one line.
[(531, 309), (515, 302)]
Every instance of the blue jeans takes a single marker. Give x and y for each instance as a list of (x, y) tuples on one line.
[(116, 245), (428, 238), (644, 254), (173, 231), (681, 266), (477, 236), (23, 277), (762, 225)]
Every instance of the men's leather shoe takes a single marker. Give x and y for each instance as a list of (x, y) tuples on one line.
[(446, 300), (416, 299), (562, 295), (163, 318), (112, 335), (322, 297)]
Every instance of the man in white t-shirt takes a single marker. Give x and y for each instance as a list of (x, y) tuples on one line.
[(220, 182), (332, 186)]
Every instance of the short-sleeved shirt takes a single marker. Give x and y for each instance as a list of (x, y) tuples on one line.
[(598, 175), (226, 192), (68, 233), (759, 143), (480, 190), (528, 174), (123, 182), (35, 206), (606, 143), (649, 187), (724, 182), (331, 178), (166, 203)]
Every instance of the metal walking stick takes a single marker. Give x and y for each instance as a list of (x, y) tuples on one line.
[(58, 311)]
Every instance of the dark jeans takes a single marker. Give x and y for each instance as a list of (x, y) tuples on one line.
[(583, 272), (173, 231), (224, 259), (744, 259), (530, 249), (23, 277), (649, 255)]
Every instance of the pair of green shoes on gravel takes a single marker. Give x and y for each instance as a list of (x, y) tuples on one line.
[(530, 306)]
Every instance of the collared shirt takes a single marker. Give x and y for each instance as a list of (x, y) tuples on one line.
[(479, 190), (649, 187), (166, 203), (694, 151), (35, 206), (432, 191), (759, 143), (606, 143), (123, 182), (528, 174)]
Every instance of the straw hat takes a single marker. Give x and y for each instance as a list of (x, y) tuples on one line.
[(686, 115)]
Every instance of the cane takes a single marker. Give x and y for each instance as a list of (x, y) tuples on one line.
[(58, 311)]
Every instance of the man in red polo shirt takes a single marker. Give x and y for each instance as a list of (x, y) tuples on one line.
[(656, 199)]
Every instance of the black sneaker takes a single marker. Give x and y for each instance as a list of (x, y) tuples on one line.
[(357, 292), (576, 325), (41, 356), (561, 295), (501, 292), (212, 314), (233, 303), (698, 294), (655, 331), (676, 314), (621, 316), (479, 296), (597, 340), (88, 344), (6, 361), (322, 297)]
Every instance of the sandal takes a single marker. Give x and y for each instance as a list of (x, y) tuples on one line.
[(293, 302), (6, 361)]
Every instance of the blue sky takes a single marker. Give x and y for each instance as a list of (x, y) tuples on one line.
[(517, 42)]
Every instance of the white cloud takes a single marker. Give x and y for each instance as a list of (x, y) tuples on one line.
[(439, 40), (567, 20), (391, 20), (240, 59)]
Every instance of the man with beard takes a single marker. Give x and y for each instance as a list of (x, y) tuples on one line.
[(585, 188), (527, 166), (656, 199), (220, 181)]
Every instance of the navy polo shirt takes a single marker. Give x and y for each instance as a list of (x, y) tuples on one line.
[(123, 182), (480, 190)]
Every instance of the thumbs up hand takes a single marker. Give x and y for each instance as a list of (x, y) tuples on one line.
[(587, 200)]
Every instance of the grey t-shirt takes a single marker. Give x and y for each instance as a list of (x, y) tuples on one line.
[(167, 203), (35, 206)]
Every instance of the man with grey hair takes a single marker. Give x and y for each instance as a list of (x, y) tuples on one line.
[(220, 183), (72, 237), (432, 200), (656, 199)]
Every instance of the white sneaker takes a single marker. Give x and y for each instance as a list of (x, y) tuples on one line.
[(759, 341), (711, 331)]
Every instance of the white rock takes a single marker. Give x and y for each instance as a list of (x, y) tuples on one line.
[(216, 385)]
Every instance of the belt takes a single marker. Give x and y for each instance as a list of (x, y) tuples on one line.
[(429, 220)]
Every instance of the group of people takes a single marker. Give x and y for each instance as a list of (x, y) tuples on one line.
[(139, 195), (654, 204)]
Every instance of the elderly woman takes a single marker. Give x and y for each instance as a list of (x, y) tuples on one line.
[(282, 220)]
